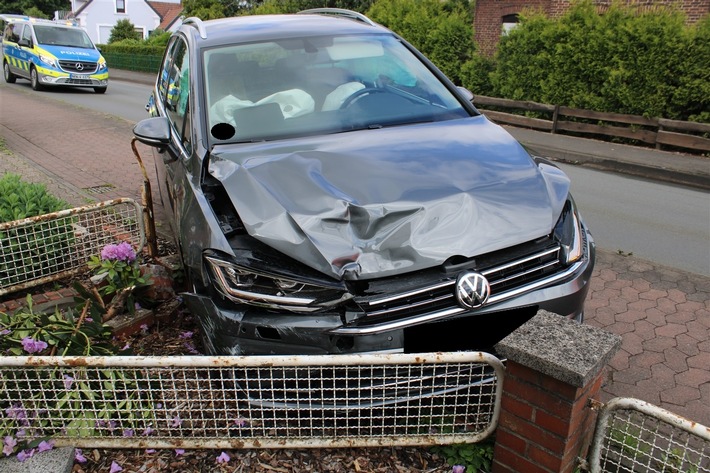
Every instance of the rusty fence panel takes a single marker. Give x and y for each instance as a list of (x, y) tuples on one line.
[(48, 247), (252, 401), (637, 437)]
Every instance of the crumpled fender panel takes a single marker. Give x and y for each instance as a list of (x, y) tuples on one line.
[(384, 202)]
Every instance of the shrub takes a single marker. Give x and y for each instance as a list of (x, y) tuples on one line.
[(124, 29), (35, 250)]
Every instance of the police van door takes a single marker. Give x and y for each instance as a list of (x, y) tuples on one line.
[(17, 58)]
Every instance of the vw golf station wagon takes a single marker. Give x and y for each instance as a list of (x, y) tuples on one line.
[(331, 191)]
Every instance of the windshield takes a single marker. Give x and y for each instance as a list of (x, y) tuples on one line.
[(306, 86), (62, 36)]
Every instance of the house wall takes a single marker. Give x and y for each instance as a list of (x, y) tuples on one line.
[(489, 13), (99, 17)]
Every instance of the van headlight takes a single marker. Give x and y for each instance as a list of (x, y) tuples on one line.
[(102, 64), (569, 233), (243, 285), (48, 60)]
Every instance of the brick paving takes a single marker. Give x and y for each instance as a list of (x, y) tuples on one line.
[(662, 314)]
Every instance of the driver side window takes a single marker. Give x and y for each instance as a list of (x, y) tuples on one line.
[(175, 92)]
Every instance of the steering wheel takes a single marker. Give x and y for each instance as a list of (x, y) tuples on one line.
[(356, 95)]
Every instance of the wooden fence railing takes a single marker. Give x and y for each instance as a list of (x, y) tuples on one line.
[(658, 132)]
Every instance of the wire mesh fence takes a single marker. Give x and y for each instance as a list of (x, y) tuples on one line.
[(48, 247), (636, 437), (252, 402)]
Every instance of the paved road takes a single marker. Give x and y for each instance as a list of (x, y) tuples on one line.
[(662, 314)]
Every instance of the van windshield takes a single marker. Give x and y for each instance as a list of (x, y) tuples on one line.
[(61, 36)]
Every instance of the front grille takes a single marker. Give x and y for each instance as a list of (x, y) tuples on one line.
[(78, 81), (504, 276), (78, 67)]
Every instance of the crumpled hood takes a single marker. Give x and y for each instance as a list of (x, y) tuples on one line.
[(382, 202)]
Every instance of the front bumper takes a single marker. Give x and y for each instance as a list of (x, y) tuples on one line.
[(255, 331), (49, 77)]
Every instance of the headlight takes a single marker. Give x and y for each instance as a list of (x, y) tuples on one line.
[(102, 63), (568, 231), (50, 61), (246, 286)]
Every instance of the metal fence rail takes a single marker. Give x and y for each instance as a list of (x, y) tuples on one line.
[(252, 402), (636, 437), (48, 247)]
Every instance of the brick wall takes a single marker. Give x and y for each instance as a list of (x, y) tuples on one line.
[(489, 13)]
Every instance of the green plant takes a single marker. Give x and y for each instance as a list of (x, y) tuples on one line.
[(476, 457), (36, 249), (123, 30)]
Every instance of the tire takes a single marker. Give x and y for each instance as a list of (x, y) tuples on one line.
[(34, 80), (10, 78), (100, 90)]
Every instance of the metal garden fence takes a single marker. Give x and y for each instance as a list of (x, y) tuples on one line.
[(252, 402), (49, 247), (634, 436)]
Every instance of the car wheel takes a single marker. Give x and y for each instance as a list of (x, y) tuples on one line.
[(10, 78), (34, 80), (100, 90)]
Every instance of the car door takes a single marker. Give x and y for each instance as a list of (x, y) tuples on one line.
[(17, 59), (172, 100)]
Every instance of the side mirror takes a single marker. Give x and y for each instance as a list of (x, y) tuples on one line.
[(25, 42), (468, 95), (153, 132)]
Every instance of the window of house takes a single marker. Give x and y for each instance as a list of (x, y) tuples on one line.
[(509, 22), (120, 6)]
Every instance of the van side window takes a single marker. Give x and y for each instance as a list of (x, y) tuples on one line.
[(27, 34), (11, 33)]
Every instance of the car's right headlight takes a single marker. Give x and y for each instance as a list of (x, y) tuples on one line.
[(569, 233), (243, 285), (48, 60)]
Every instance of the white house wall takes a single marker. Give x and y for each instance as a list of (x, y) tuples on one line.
[(99, 17)]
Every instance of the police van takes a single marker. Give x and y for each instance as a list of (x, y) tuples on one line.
[(50, 54)]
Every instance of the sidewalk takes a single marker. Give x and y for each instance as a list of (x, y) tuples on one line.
[(662, 314)]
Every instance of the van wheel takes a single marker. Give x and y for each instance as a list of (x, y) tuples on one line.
[(100, 90), (10, 78), (34, 80)]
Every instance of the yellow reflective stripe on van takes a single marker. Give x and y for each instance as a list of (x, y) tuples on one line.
[(18, 63)]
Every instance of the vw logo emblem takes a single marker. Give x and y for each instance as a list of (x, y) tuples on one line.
[(79, 66), (472, 290)]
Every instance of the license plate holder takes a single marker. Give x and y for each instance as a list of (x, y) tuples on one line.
[(79, 76)]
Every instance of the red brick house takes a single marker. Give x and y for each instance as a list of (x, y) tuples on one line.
[(493, 16)]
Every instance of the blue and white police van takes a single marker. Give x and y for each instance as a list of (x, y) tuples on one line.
[(51, 54)]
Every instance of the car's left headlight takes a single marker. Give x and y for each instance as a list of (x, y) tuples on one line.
[(568, 231), (102, 64), (50, 61), (243, 285)]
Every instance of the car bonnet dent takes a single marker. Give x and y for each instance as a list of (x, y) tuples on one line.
[(388, 201)]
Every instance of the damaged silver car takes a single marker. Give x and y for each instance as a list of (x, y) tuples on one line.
[(331, 191)]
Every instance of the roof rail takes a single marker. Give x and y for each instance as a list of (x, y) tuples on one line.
[(197, 23), (341, 12)]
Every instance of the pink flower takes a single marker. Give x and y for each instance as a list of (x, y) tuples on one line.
[(33, 346), (25, 455), (9, 445), (121, 252), (115, 467), (44, 446), (179, 451), (458, 469), (176, 422), (68, 381), (78, 456), (223, 458)]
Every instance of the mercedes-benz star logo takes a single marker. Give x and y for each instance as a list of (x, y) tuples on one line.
[(472, 290), (79, 66)]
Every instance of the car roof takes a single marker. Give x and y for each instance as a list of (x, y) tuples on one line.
[(254, 28)]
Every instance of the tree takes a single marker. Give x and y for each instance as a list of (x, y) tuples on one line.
[(124, 29), (25, 7)]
